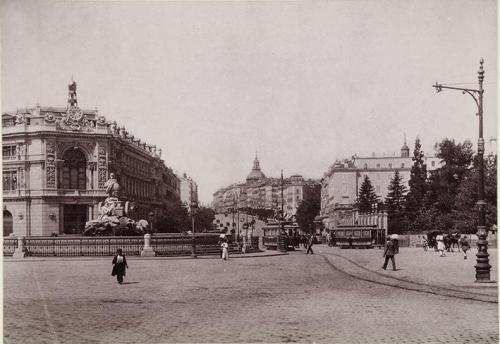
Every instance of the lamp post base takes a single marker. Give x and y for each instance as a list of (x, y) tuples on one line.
[(482, 267)]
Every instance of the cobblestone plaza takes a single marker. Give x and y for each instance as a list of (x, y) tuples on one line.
[(260, 298)]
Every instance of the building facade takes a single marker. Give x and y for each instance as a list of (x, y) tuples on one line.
[(55, 164), (341, 184), (261, 192), (189, 190)]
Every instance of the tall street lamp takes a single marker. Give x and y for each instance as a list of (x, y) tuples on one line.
[(482, 267), (194, 210)]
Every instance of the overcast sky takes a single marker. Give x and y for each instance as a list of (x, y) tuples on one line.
[(300, 83)]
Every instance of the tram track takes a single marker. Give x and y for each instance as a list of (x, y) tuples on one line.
[(382, 279)]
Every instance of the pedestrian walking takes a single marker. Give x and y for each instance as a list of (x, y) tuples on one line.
[(225, 249), (349, 240), (310, 244), (334, 243), (389, 253), (219, 243), (464, 245), (425, 243), (440, 245), (119, 265)]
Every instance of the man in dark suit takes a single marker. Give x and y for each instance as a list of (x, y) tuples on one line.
[(310, 241), (389, 253)]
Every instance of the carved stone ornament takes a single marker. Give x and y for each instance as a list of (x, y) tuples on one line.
[(102, 177), (74, 119), (102, 161), (50, 117), (50, 147), (102, 149), (51, 177), (101, 120), (50, 162), (20, 119)]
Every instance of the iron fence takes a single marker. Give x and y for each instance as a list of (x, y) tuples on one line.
[(170, 245), (82, 246), (183, 245)]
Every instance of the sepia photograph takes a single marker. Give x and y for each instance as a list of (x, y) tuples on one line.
[(249, 171)]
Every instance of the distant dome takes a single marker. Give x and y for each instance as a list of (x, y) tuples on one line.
[(256, 174)]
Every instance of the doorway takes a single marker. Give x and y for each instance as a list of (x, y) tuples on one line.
[(75, 216)]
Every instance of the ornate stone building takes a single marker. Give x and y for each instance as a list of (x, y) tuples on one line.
[(260, 192), (189, 190), (341, 184), (56, 161)]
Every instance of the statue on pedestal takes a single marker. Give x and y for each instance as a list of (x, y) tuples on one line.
[(114, 214), (112, 187)]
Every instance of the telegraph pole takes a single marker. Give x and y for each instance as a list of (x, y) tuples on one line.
[(482, 267)]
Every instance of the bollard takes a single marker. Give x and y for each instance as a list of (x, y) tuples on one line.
[(20, 252), (147, 250), (193, 247)]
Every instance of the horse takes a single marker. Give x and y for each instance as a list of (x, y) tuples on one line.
[(450, 240)]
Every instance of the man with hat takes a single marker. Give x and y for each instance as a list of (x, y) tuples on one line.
[(389, 253)]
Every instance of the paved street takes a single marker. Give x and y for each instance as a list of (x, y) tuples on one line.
[(290, 298)]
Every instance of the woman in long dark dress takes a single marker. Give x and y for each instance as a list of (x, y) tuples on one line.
[(119, 265)]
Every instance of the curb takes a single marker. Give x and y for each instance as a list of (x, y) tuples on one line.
[(131, 258)]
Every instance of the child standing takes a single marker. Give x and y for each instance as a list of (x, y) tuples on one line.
[(119, 265), (225, 249)]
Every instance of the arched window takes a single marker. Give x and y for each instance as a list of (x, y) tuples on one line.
[(74, 170), (7, 223)]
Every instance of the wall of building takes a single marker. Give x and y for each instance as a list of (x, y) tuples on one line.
[(264, 194), (341, 184), (43, 134)]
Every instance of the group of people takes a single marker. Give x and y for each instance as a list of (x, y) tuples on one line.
[(390, 250), (463, 244)]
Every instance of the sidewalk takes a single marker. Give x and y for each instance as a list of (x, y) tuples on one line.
[(419, 270), (263, 253)]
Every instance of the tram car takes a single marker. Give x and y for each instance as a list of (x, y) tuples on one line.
[(356, 236)]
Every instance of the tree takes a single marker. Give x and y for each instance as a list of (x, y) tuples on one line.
[(439, 208), (367, 196), (466, 211), (308, 209), (395, 200), (395, 203), (175, 220), (417, 182), (204, 219), (444, 182)]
